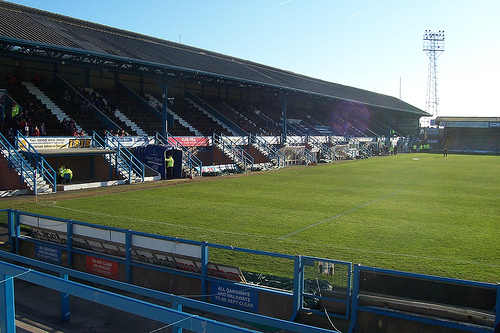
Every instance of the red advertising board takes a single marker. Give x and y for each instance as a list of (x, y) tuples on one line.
[(102, 267), (190, 141)]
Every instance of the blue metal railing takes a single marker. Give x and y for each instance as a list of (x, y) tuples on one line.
[(325, 150), (241, 157), (125, 161), (105, 120), (216, 114), (173, 316), (43, 168), (360, 286), (140, 100), (189, 160), (127, 238), (273, 154), (17, 161), (335, 284)]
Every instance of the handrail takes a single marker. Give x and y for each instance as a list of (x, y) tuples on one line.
[(26, 170), (325, 150), (272, 152), (123, 155), (236, 153), (188, 158), (133, 162), (140, 99), (45, 169), (216, 113), (306, 154), (15, 221), (103, 117)]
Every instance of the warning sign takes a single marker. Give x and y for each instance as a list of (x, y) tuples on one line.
[(102, 267)]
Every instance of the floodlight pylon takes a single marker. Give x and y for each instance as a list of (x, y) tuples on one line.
[(433, 46)]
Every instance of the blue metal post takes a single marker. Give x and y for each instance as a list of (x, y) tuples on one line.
[(283, 134), (204, 270), (354, 297), (164, 120), (17, 231), (497, 312), (7, 306), (178, 307), (11, 227), (64, 302), (69, 245), (128, 253), (298, 286)]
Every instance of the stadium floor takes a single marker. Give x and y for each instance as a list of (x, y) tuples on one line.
[(42, 314)]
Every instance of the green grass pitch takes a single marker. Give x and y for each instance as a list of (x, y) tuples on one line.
[(420, 213)]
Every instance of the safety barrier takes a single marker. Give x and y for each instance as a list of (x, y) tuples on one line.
[(42, 169), (428, 300), (125, 162), (318, 286), (58, 242), (190, 162)]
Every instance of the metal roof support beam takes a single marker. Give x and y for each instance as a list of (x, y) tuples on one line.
[(284, 117)]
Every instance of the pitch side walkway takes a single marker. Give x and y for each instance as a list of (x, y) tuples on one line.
[(38, 311)]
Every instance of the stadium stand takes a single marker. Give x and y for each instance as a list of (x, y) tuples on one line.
[(469, 134), (94, 80)]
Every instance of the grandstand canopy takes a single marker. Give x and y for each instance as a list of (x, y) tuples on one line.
[(34, 34)]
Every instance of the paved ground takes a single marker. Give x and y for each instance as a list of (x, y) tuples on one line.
[(38, 310)]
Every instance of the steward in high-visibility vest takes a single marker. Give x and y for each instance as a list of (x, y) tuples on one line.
[(15, 110), (66, 174), (169, 164)]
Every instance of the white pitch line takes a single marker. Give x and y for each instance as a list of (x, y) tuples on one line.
[(339, 215), (163, 223), (54, 204)]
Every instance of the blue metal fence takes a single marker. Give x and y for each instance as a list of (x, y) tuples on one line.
[(317, 285), (175, 317), (414, 309), (124, 246)]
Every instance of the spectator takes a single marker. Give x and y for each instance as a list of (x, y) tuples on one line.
[(36, 131), (42, 129), (31, 110), (66, 98), (11, 135), (39, 112)]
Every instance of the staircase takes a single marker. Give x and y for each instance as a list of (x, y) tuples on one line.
[(49, 104), (24, 168), (239, 156), (274, 156), (130, 123), (155, 103), (125, 162), (191, 165)]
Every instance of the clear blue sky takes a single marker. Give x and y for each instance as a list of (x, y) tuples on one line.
[(368, 44)]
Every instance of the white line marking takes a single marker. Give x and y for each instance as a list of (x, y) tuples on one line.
[(342, 214)]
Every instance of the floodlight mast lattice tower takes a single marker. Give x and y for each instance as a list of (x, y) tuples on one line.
[(433, 47)]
